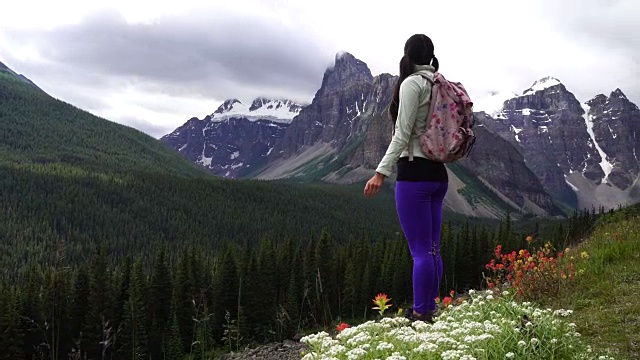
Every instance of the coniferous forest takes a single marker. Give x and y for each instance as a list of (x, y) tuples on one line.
[(190, 302), (114, 247)]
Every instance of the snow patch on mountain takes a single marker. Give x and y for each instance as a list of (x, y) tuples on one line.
[(604, 164), (542, 84), (276, 110), (573, 187)]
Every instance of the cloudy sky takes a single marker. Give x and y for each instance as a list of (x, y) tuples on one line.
[(153, 65)]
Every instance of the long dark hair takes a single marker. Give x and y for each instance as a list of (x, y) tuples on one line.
[(418, 50)]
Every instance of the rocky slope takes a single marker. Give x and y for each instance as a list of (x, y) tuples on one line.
[(236, 138), (584, 154)]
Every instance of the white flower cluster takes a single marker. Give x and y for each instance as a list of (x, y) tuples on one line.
[(487, 325), (563, 312)]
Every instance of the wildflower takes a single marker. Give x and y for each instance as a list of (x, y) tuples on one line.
[(342, 326), (584, 255), (384, 346), (447, 301), (381, 301), (510, 355), (529, 239)]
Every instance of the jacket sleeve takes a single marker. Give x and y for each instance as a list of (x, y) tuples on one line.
[(407, 109)]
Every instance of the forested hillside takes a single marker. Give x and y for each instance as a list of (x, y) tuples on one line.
[(70, 177)]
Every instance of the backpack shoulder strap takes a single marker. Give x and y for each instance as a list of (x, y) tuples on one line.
[(429, 114), (428, 79)]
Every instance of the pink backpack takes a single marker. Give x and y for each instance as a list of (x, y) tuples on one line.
[(449, 135)]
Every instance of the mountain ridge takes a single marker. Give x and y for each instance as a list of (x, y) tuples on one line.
[(341, 135)]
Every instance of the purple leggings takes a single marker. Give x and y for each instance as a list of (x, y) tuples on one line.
[(419, 206)]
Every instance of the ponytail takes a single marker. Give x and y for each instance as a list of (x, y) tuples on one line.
[(406, 68), (435, 63)]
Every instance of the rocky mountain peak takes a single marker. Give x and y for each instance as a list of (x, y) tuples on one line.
[(227, 106), (618, 94), (597, 100), (347, 69), (542, 84)]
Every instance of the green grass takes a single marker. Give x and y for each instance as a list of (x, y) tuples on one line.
[(606, 297)]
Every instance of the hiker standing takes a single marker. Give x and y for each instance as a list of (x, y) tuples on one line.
[(422, 179)]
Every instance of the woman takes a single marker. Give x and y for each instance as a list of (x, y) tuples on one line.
[(421, 183)]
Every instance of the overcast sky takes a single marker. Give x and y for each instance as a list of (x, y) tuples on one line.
[(153, 66)]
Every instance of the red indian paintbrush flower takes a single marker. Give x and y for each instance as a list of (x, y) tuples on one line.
[(381, 301), (342, 326)]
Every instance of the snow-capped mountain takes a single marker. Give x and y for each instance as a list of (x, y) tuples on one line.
[(276, 110), (564, 142), (532, 150), (236, 138)]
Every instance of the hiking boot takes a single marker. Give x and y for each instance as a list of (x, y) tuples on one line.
[(413, 316)]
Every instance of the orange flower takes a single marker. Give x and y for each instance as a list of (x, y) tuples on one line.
[(381, 301), (381, 298), (342, 326), (529, 239)]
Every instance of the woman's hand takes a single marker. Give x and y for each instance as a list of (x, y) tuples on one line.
[(373, 185)]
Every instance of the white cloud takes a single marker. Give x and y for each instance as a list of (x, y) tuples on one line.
[(498, 45)]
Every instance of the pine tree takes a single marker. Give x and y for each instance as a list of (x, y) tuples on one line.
[(98, 326), (11, 334), (160, 295), (173, 348), (80, 310), (133, 335), (184, 292), (324, 287), (226, 291), (122, 293), (32, 314)]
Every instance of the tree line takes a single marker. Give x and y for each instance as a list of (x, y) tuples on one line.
[(171, 304)]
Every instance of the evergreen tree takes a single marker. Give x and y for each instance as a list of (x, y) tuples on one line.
[(11, 330), (183, 297), (98, 322), (173, 349), (159, 305), (226, 288), (80, 310), (133, 335)]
